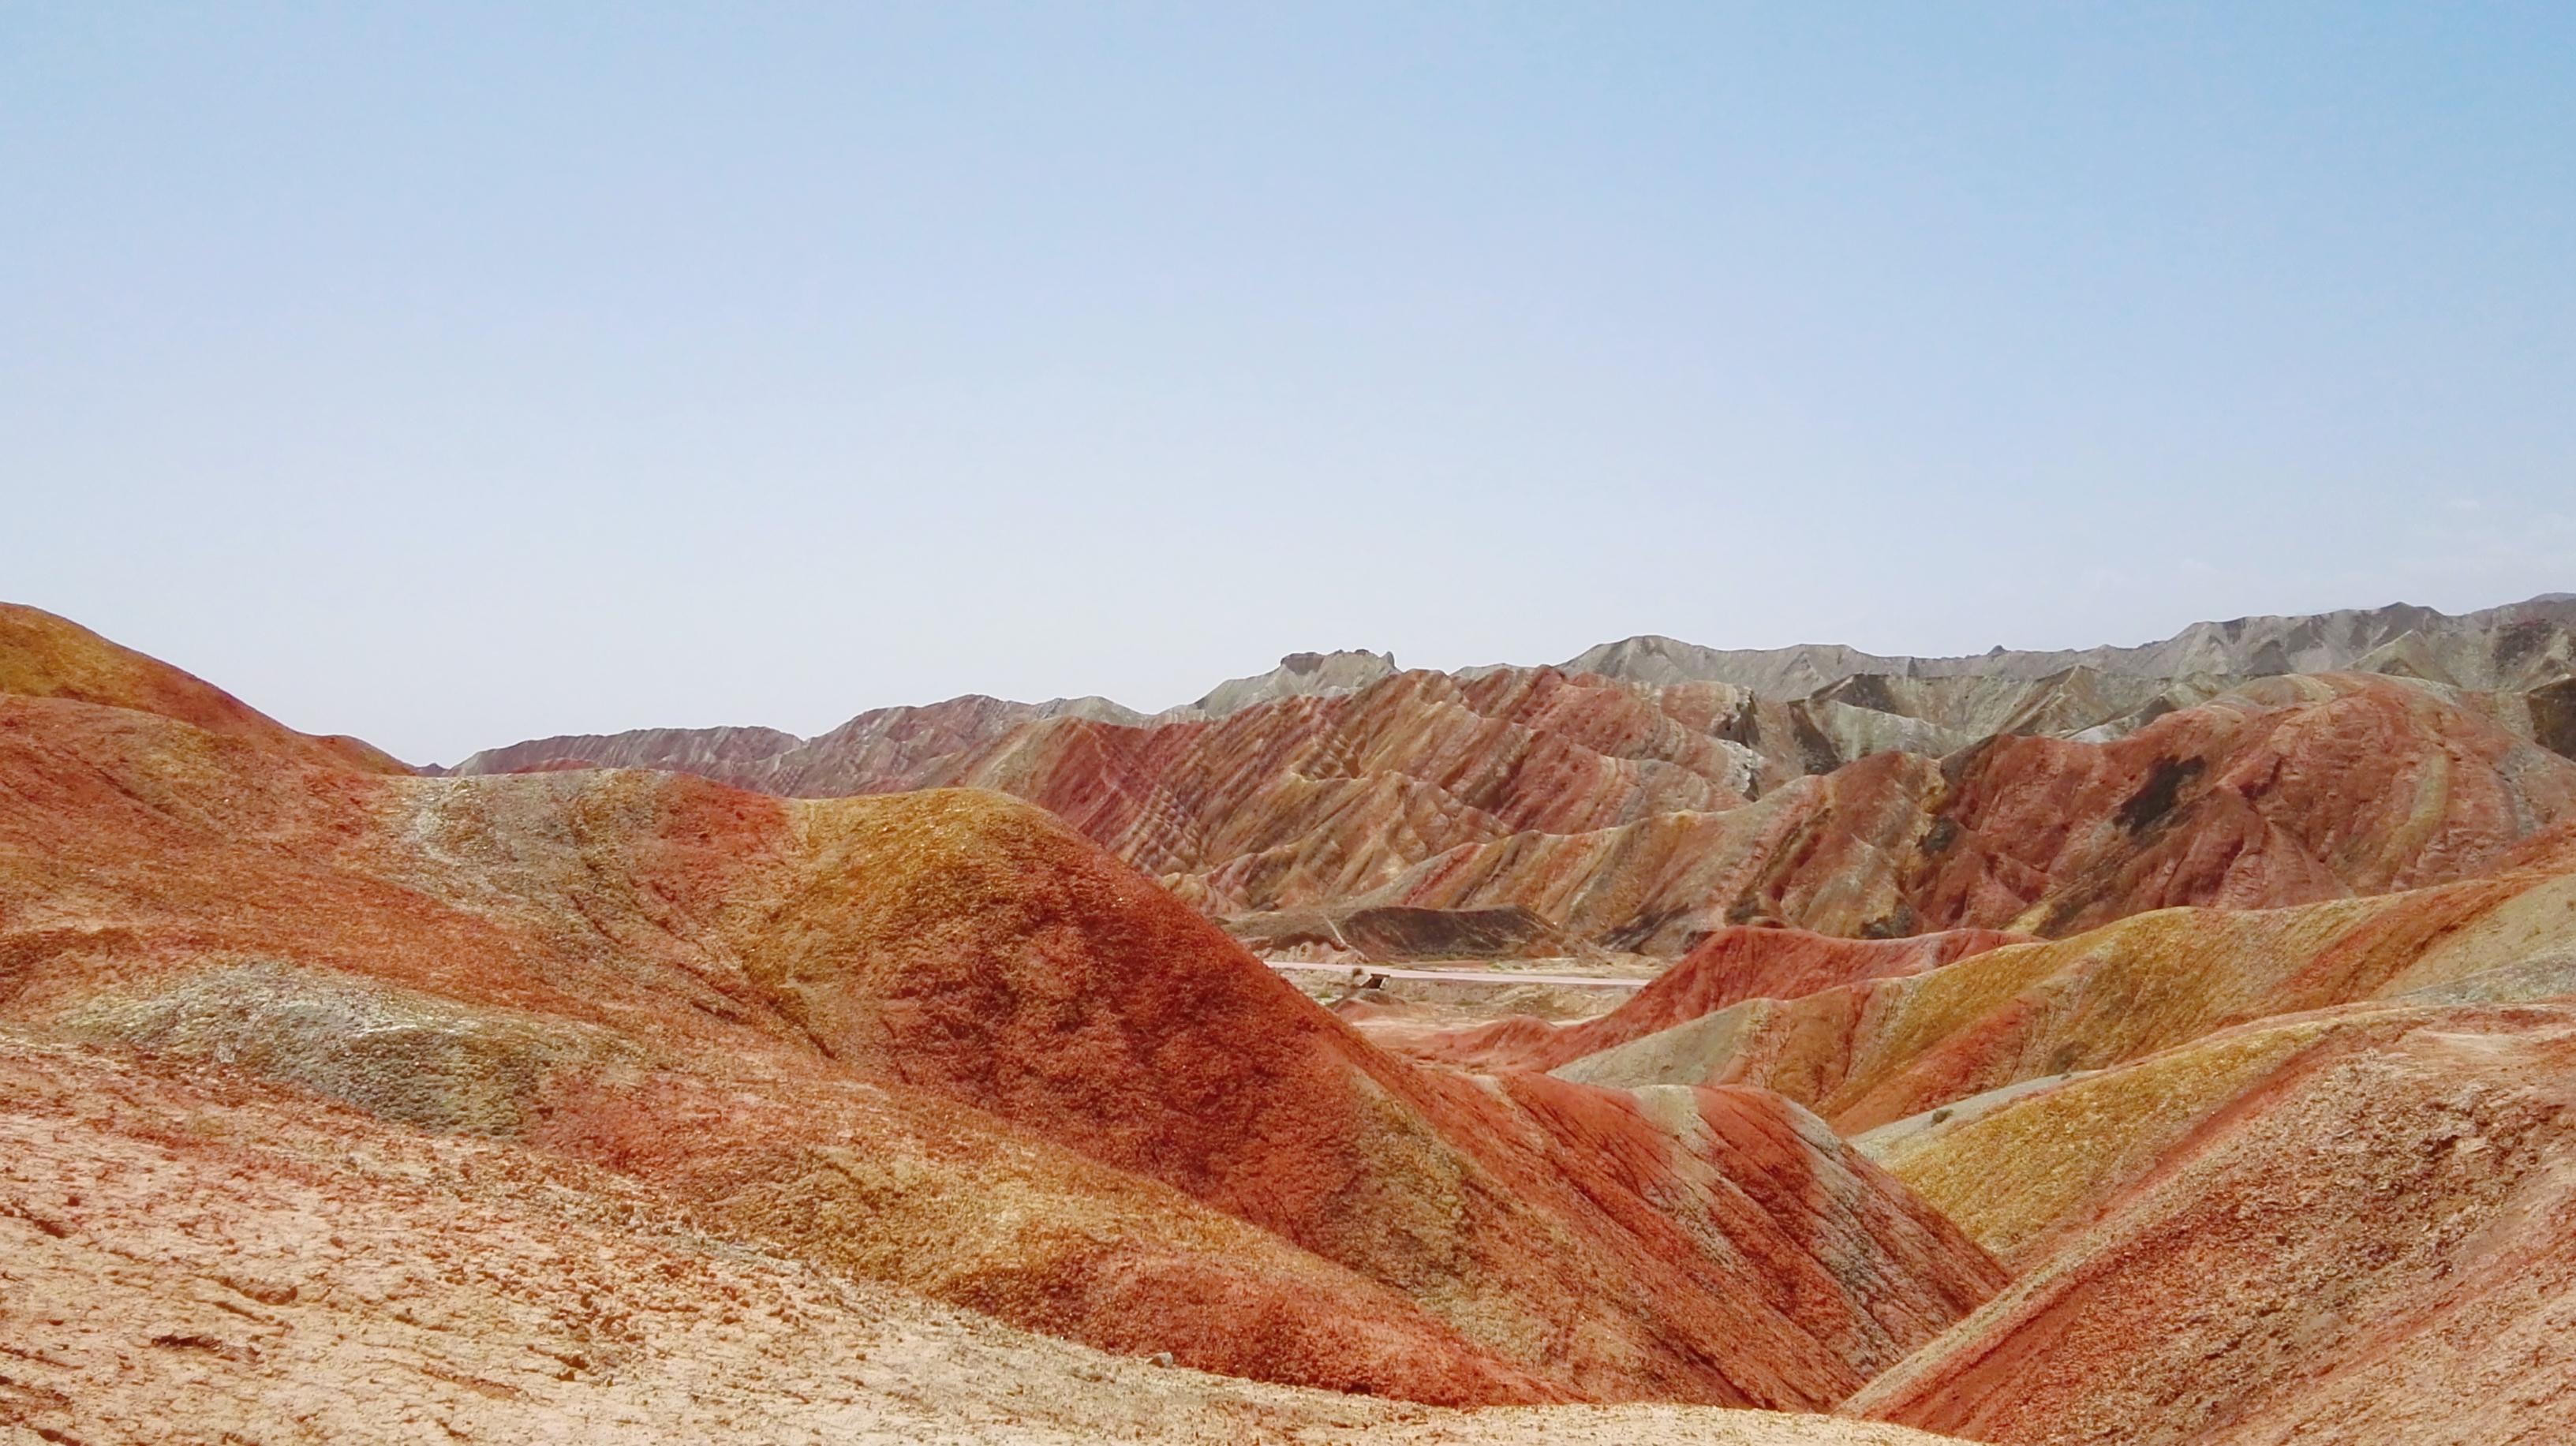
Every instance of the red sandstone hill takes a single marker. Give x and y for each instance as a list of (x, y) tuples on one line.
[(2358, 1225), (1728, 967), (941, 1041), (2262, 1175), (1542, 812), (197, 1256), (1869, 1053), (305, 1063), (884, 750), (43, 656), (2297, 790), (1788, 711), (2293, 790), (1312, 799)]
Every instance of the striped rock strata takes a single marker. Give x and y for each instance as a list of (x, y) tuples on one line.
[(1570, 810), (1868, 1054), (2297, 790), (2352, 1225), (1607, 816)]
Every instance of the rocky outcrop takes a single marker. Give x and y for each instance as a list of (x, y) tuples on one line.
[(1299, 675)]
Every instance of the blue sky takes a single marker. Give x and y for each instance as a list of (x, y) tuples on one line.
[(449, 374)]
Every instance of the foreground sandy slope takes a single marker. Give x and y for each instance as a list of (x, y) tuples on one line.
[(190, 1257)]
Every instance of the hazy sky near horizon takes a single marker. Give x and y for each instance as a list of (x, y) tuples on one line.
[(449, 374)]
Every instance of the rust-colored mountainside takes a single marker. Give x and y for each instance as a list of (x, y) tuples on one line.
[(1880, 1049), (1608, 820), (936, 1044), (2350, 1225), (1647, 794), (1575, 813), (43, 656), (2199, 1076), (2262, 1175), (196, 1257)]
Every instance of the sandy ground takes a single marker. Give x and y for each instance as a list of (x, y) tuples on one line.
[(188, 1258), (1392, 1004), (1377, 974)]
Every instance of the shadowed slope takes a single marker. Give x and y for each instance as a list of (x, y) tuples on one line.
[(2295, 790)]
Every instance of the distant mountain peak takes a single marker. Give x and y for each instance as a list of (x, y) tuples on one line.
[(1302, 663), (1299, 675), (2462, 650)]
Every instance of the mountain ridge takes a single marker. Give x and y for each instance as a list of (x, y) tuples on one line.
[(2245, 647)]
